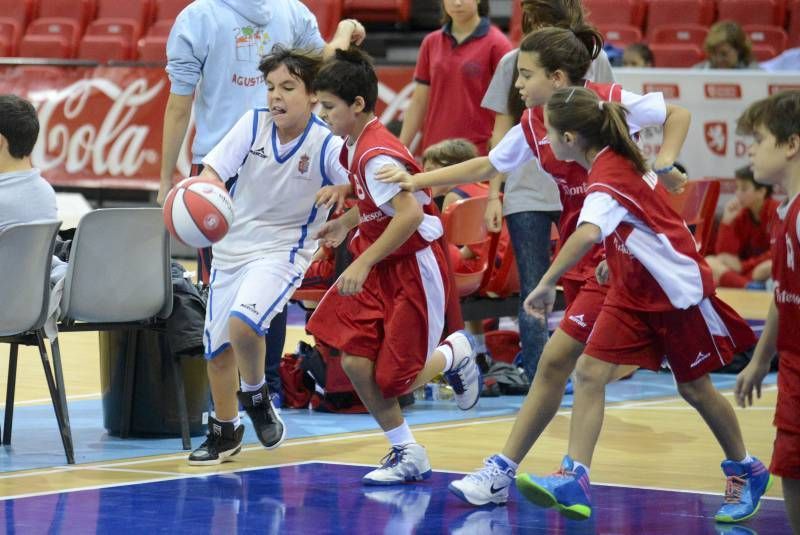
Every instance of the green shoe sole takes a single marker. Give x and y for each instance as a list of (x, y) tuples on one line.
[(724, 519), (542, 497)]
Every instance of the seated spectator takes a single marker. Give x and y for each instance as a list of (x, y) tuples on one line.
[(637, 55), (449, 152), (743, 257), (25, 196), (727, 47)]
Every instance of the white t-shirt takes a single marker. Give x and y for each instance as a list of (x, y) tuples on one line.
[(274, 189)]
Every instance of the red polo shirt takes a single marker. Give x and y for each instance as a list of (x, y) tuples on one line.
[(458, 75)]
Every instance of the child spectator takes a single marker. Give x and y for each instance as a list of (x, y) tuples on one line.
[(637, 55), (743, 256), (774, 123)]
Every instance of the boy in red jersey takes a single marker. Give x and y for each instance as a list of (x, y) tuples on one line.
[(774, 155), (660, 286), (386, 311)]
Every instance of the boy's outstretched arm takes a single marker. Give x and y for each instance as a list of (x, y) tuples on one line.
[(753, 374), (540, 301), (407, 217), (474, 170)]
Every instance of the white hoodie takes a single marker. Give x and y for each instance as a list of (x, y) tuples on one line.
[(216, 45)]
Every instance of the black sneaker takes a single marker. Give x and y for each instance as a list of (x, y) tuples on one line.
[(222, 441), (268, 425)]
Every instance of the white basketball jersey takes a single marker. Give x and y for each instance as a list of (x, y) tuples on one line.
[(273, 193)]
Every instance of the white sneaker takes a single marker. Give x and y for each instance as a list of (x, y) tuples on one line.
[(487, 485), (483, 521), (464, 375), (408, 462)]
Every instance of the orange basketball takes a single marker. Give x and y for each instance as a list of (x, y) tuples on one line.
[(198, 211)]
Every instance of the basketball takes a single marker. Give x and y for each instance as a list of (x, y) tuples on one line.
[(198, 211)]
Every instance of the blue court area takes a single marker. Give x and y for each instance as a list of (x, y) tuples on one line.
[(324, 498), (36, 443)]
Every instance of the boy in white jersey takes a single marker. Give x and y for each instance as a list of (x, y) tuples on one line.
[(273, 161)]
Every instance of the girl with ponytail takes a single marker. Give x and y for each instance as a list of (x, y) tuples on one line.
[(550, 59), (660, 303)]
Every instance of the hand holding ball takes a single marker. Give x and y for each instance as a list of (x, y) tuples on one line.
[(198, 211)]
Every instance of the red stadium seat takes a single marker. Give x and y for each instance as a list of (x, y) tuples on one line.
[(104, 48), (620, 35), (794, 23), (696, 205), (81, 11), (46, 46), (61, 30), (615, 12), (169, 9), (153, 48), (134, 14), (14, 17), (161, 27), (769, 12), (463, 225), (694, 34), (378, 10), (769, 36), (662, 12), (676, 55), (764, 52), (328, 13)]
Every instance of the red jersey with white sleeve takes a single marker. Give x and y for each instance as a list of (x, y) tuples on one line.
[(651, 253), (786, 274), (528, 141), (375, 214)]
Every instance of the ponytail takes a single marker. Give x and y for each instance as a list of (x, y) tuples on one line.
[(598, 123), (569, 50)]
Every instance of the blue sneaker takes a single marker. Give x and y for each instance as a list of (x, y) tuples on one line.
[(569, 390), (747, 482), (566, 490)]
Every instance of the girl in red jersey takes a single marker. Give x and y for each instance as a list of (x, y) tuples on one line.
[(386, 310), (549, 59), (774, 123), (660, 303)]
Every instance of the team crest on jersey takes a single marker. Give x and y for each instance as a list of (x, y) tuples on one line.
[(302, 165)]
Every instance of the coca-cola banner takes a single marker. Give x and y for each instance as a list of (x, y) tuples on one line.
[(101, 126)]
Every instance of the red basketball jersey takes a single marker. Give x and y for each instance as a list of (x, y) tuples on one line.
[(652, 256), (571, 178), (376, 140), (786, 273)]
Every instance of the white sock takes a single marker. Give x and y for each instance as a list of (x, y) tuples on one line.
[(576, 464), (511, 464), (480, 343), (400, 435), (747, 458), (236, 421), (252, 388), (447, 351)]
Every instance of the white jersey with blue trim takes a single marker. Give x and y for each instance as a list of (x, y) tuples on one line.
[(273, 187)]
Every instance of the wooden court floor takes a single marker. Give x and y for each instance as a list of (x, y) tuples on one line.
[(655, 443)]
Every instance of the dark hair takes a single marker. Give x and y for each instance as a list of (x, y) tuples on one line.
[(349, 74), (19, 124), (571, 51), (541, 13), (302, 64), (745, 173), (779, 114), (483, 11), (598, 123), (449, 152), (643, 50), (729, 31)]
